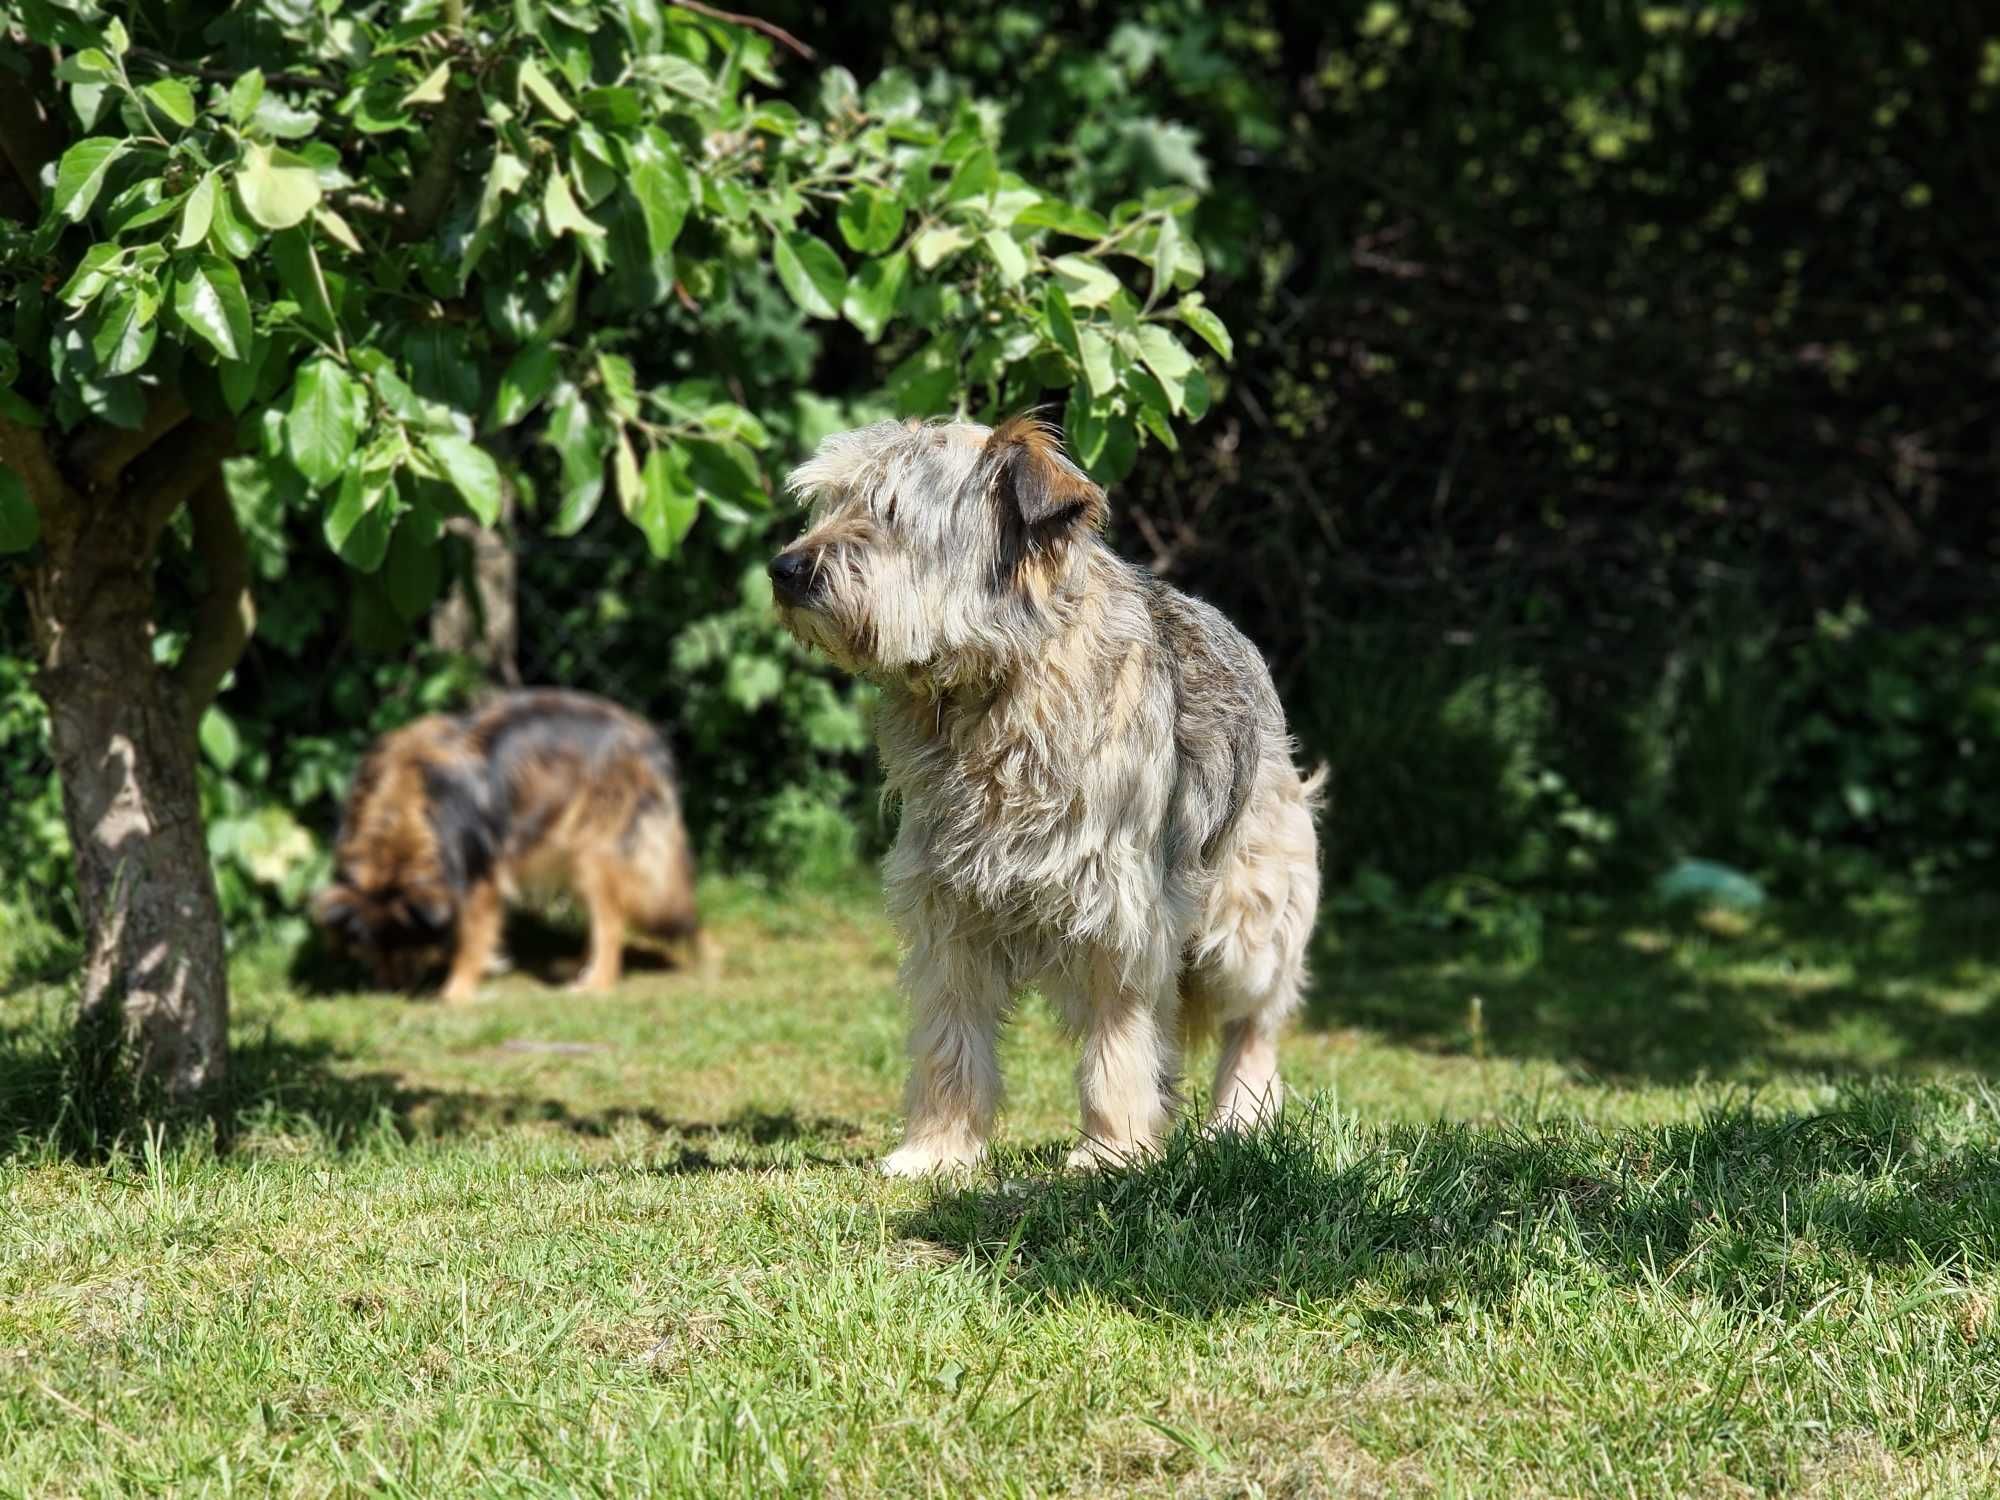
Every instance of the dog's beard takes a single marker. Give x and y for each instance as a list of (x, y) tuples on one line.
[(817, 631)]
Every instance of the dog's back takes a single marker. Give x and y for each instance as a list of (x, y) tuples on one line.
[(572, 781)]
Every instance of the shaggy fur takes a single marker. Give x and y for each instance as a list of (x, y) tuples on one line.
[(451, 817), (1097, 786)]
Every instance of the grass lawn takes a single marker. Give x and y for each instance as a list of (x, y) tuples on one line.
[(1689, 1210)]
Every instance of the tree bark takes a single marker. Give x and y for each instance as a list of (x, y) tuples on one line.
[(154, 1016), (482, 621)]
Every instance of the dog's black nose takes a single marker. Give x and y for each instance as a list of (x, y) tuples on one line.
[(792, 576)]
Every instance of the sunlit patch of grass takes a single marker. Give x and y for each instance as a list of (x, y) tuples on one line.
[(1667, 1221)]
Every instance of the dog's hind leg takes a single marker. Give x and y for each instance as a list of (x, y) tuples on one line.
[(597, 882), (480, 916), (1131, 1059)]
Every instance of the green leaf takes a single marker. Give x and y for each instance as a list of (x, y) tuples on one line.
[(278, 189), (1063, 218), (1162, 353), (894, 96), (229, 235), (126, 330), (621, 386), (1207, 327), (93, 274), (115, 36), (324, 421), (173, 99), (244, 96), (1006, 255), (197, 212), (811, 271), (1086, 282), (20, 522), (580, 441), (976, 176), (219, 740), (1195, 398), (359, 522), (659, 183), (870, 220), (1166, 252), (299, 272), (726, 470), (535, 83), (1094, 351), (431, 90), (274, 117), (682, 76), (1062, 322), (336, 229), (938, 243), (526, 380), (208, 296), (503, 180), (413, 568), (625, 475), (80, 174), (873, 293), (90, 65), (667, 511), (472, 472), (238, 378), (560, 208), (838, 92)]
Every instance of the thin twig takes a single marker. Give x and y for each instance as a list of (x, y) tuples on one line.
[(770, 29), (175, 65)]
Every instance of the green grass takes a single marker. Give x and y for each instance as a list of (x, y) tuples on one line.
[(1690, 1210)]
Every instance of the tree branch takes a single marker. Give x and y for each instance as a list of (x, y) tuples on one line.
[(185, 69), (29, 138), (102, 451), (432, 190), (23, 450), (228, 612), (770, 29), (187, 457)]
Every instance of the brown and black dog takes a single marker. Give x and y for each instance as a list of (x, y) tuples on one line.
[(450, 817)]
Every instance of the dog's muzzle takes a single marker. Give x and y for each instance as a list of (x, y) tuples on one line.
[(794, 578)]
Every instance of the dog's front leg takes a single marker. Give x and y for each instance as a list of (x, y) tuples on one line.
[(479, 923), (958, 997)]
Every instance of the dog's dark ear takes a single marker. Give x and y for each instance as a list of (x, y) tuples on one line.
[(334, 907), (431, 908), (1040, 481)]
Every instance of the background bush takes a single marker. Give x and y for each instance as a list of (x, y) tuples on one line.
[(1606, 467)]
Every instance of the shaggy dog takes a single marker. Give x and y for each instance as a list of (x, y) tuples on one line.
[(1097, 786), (450, 817)]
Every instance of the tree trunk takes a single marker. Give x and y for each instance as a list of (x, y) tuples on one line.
[(482, 621), (153, 1024)]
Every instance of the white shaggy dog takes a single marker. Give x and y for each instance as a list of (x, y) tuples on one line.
[(1097, 786)]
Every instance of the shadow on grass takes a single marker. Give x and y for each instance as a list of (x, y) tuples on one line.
[(1408, 1223), (285, 1087), (1665, 1000), (549, 949)]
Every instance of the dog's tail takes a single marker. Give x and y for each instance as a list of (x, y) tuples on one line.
[(1314, 789)]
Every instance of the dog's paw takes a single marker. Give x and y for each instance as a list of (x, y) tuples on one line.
[(1101, 1156), (458, 994), (923, 1161)]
